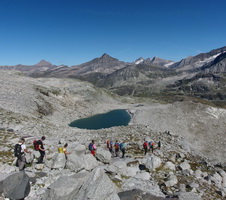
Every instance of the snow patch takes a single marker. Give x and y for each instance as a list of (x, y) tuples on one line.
[(139, 61), (169, 64)]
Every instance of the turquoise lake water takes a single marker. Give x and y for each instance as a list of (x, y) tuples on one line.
[(113, 118)]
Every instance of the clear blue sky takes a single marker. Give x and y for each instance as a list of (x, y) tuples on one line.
[(72, 32)]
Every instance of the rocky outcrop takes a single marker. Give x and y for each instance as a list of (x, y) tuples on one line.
[(16, 186)]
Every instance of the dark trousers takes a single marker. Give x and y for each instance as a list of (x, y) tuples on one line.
[(123, 152), (145, 151), (42, 154)]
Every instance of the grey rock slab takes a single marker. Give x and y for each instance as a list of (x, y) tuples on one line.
[(65, 187), (103, 155), (146, 186), (58, 161), (74, 163), (153, 162), (98, 187), (189, 196), (16, 185)]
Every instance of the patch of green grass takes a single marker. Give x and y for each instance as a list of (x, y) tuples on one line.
[(195, 166)]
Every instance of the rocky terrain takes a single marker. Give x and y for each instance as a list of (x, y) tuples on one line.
[(191, 163)]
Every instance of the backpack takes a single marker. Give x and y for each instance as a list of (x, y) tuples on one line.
[(150, 144), (17, 151), (36, 145), (116, 145), (122, 146), (145, 145), (60, 150), (91, 146)]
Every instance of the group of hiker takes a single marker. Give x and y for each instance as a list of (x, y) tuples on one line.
[(113, 147), (20, 149), (150, 146)]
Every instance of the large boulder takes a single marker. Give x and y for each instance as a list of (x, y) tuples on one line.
[(2, 178), (98, 187), (58, 161), (139, 194), (153, 162), (83, 186), (16, 186), (118, 167), (89, 161), (80, 149), (171, 181), (185, 165), (169, 165), (147, 186), (103, 156), (66, 187), (74, 163), (189, 196), (145, 176)]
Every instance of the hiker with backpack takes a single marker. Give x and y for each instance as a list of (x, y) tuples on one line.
[(41, 149), (145, 146), (151, 146), (123, 148), (116, 146), (92, 148), (110, 147), (19, 151)]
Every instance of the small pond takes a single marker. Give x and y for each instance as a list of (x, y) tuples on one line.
[(119, 117)]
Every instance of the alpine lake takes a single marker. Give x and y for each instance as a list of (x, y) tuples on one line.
[(120, 117)]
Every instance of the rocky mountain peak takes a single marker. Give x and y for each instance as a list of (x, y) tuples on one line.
[(43, 63), (106, 58)]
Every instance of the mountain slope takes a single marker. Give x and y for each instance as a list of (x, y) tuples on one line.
[(194, 62), (30, 69)]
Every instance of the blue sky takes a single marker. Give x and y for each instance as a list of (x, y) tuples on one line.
[(72, 32)]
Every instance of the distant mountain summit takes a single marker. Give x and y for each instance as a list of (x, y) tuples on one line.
[(104, 65), (30, 69), (105, 58), (155, 61), (43, 63)]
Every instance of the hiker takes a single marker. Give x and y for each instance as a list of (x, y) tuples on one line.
[(151, 146), (116, 146), (20, 150), (92, 148), (123, 148), (110, 146), (159, 144), (41, 149), (65, 149), (145, 146)]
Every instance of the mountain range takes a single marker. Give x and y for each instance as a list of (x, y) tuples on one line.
[(201, 76)]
